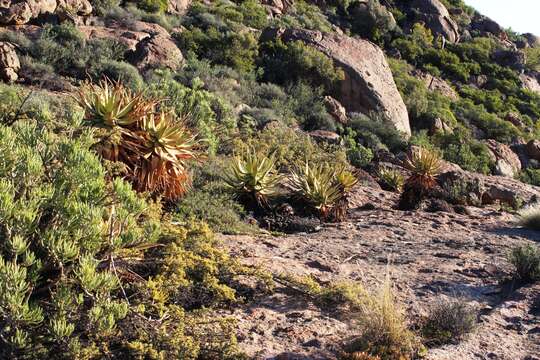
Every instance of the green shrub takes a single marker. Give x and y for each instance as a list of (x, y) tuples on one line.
[(102, 7), (291, 148), (375, 132), (304, 15), (153, 6), (530, 176), (285, 63), (448, 322), (123, 72), (530, 217), (526, 262), (209, 114)]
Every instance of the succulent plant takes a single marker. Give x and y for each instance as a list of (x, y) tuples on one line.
[(322, 186), (424, 165), (253, 175), (391, 179)]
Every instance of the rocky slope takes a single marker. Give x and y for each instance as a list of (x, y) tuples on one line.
[(363, 81), (427, 255)]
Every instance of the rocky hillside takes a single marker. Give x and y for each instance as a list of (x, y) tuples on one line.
[(268, 179)]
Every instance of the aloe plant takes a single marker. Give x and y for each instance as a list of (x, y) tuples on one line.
[(254, 175)]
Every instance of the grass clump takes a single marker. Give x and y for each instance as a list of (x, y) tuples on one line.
[(526, 262), (383, 329), (530, 217), (448, 322)]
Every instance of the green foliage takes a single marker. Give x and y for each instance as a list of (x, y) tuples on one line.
[(370, 20), (252, 174), (322, 186), (494, 127), (530, 176), (448, 322), (533, 58), (153, 5), (285, 63), (303, 14), (291, 148), (530, 217), (209, 114), (102, 7), (375, 132), (391, 179), (65, 48), (46, 248), (526, 261), (216, 32), (462, 149)]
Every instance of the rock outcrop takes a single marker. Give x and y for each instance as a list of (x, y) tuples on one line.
[(368, 84), (20, 12), (530, 81), (277, 7), (154, 52), (486, 26), (336, 110), (437, 84), (436, 18), (178, 7), (9, 62), (533, 149), (507, 163)]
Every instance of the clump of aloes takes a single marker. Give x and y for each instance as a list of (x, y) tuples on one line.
[(253, 177), (425, 166), (324, 187), (155, 147)]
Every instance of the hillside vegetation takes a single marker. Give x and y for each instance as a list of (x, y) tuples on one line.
[(134, 133)]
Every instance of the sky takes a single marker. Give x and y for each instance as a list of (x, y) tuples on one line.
[(522, 16)]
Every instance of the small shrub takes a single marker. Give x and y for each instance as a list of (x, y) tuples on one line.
[(448, 322), (122, 72), (530, 217), (526, 262)]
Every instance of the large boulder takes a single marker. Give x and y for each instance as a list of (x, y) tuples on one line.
[(9, 62), (493, 189), (507, 163), (277, 7), (126, 37), (435, 83), (532, 40), (368, 84), (533, 149), (16, 12), (20, 12), (156, 51), (336, 110), (486, 26), (178, 7), (530, 81), (436, 18)]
